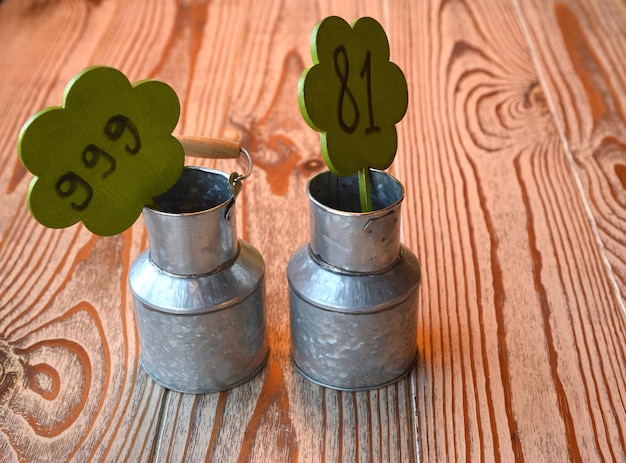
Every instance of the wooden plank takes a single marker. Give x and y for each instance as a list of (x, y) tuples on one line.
[(66, 320), (584, 72), (322, 424), (584, 78), (280, 416), (521, 335)]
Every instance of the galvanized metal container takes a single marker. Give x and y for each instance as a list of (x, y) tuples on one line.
[(353, 289), (199, 290)]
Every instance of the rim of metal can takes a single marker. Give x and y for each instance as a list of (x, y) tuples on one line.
[(344, 237), (194, 233), (374, 173), (183, 185)]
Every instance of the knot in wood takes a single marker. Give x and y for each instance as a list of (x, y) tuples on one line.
[(11, 373), (535, 98)]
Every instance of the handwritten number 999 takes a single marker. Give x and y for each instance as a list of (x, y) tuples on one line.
[(115, 128), (68, 183), (92, 155)]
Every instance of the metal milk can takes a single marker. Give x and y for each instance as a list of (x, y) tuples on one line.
[(199, 290), (353, 289)]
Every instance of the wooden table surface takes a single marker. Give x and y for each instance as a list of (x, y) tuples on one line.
[(513, 155)]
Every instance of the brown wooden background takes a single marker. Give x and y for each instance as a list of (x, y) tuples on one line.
[(513, 155)]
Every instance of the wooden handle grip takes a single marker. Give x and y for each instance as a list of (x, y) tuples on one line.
[(210, 148)]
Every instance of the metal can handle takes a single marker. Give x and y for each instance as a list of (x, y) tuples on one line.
[(213, 148)]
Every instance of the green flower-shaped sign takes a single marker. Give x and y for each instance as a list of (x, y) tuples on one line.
[(353, 95), (104, 154)]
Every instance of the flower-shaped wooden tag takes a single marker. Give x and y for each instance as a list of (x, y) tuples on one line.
[(354, 96), (104, 154)]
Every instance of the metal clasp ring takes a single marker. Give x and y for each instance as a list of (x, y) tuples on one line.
[(236, 180)]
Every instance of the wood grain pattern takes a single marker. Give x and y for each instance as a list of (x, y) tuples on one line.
[(521, 331), (75, 372), (512, 154), (587, 87)]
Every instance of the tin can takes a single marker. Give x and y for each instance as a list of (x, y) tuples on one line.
[(198, 290), (353, 289)]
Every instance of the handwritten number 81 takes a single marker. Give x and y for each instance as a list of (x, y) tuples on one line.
[(342, 69), (68, 183)]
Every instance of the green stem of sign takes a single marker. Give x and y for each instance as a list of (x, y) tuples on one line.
[(364, 190)]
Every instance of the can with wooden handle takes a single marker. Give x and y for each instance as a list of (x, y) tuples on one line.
[(199, 290)]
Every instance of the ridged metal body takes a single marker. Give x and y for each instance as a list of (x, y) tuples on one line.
[(199, 290), (353, 289)]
